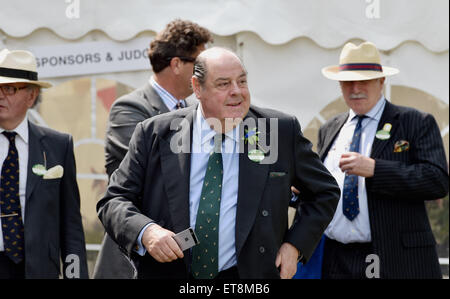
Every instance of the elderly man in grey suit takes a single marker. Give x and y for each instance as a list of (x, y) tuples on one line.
[(172, 54), (197, 168), (39, 200)]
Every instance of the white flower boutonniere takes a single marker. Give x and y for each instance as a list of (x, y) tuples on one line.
[(39, 169)]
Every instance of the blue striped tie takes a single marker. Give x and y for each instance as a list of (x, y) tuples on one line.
[(350, 204)]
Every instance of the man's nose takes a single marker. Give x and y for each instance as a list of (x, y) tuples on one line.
[(357, 86), (235, 89)]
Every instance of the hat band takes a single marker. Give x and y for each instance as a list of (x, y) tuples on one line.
[(361, 67), (15, 73)]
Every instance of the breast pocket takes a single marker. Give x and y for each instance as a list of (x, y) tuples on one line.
[(48, 191), (50, 183), (278, 182)]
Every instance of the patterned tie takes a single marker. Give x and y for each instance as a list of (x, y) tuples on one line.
[(350, 205), (11, 213), (205, 255), (179, 105)]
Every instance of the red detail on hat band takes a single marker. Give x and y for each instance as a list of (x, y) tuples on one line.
[(361, 67)]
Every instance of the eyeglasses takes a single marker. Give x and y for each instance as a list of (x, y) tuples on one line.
[(10, 90), (182, 58)]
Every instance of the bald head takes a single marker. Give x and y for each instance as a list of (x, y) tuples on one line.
[(213, 55)]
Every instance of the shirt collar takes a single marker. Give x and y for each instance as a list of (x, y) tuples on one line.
[(21, 129), (207, 133), (374, 113), (169, 100)]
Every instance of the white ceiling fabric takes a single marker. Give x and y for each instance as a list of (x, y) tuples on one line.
[(329, 23)]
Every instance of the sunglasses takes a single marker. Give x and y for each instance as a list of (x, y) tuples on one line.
[(182, 58)]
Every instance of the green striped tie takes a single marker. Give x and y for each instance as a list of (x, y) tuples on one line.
[(205, 264)]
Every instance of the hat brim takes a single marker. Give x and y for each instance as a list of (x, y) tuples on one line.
[(333, 73), (4, 80)]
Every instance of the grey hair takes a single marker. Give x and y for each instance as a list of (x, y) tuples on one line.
[(200, 69), (38, 99)]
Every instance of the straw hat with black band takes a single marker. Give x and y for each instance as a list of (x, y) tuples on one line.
[(19, 66), (358, 63)]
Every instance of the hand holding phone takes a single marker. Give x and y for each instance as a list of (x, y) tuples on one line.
[(186, 239)]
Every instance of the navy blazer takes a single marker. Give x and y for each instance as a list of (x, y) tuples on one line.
[(53, 226)]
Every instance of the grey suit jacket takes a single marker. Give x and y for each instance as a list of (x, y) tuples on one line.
[(152, 185), (53, 227), (403, 181), (125, 114)]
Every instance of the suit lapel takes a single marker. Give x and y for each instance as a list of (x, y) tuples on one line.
[(390, 115), (335, 127), (155, 100), (35, 156), (190, 102), (176, 172), (252, 176)]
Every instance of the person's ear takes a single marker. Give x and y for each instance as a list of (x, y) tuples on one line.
[(196, 86), (32, 96), (175, 65)]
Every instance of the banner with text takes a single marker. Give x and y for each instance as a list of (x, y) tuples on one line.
[(91, 58)]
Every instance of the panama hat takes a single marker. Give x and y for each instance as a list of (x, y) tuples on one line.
[(358, 63), (19, 66)]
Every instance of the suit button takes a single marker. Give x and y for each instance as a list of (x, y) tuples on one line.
[(262, 249), (265, 213)]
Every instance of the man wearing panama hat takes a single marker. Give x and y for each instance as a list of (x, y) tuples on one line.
[(39, 199), (388, 160)]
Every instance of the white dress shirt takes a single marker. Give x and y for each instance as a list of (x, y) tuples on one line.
[(22, 148), (340, 228)]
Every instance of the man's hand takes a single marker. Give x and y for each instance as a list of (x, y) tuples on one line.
[(357, 164), (287, 260), (160, 244)]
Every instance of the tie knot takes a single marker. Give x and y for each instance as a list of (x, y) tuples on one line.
[(360, 119), (10, 135), (218, 140), (180, 105)]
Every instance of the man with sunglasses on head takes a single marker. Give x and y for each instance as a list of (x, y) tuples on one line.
[(40, 216), (172, 54)]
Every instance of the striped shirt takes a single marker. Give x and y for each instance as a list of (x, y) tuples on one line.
[(169, 100)]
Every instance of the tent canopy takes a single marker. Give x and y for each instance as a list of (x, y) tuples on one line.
[(328, 23)]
